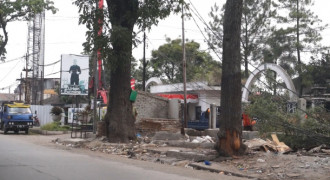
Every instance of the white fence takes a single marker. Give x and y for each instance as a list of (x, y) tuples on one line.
[(43, 113)]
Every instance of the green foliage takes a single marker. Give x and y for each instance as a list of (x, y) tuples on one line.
[(146, 13), (303, 27), (166, 63), (56, 110), (54, 126), (115, 44), (19, 10), (255, 27), (317, 72), (270, 112), (295, 130)]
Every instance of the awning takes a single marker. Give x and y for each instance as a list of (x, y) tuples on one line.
[(191, 98)]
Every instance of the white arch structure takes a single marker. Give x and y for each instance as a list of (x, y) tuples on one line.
[(154, 80), (280, 71)]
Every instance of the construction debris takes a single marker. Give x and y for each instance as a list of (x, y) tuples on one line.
[(268, 145)]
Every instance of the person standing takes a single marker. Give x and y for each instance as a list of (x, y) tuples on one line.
[(207, 113), (75, 72)]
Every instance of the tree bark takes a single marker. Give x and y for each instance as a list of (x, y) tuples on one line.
[(119, 118), (230, 134), (298, 53)]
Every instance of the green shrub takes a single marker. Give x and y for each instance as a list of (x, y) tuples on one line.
[(54, 126), (295, 131)]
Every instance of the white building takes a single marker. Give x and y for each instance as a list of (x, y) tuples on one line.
[(199, 96)]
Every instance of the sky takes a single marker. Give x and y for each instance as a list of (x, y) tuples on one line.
[(64, 36)]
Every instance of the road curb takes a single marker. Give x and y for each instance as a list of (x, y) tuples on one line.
[(45, 132), (216, 170)]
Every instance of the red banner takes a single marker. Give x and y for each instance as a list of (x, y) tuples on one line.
[(133, 83)]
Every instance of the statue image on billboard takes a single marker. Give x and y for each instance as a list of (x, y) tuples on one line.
[(74, 74)]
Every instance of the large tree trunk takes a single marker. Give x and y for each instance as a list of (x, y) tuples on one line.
[(300, 86), (119, 118), (230, 134)]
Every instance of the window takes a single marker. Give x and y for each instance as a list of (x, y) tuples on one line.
[(19, 110)]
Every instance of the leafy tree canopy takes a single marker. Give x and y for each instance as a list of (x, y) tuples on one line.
[(254, 29), (121, 20), (317, 72), (166, 63), (303, 28), (16, 11)]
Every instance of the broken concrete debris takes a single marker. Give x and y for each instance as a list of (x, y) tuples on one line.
[(268, 145), (197, 152)]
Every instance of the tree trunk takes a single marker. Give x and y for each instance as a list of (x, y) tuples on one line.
[(300, 86), (119, 118), (230, 134), (246, 50)]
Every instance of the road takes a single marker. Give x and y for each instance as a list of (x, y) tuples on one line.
[(21, 159)]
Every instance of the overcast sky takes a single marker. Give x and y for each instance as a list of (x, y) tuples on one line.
[(64, 36)]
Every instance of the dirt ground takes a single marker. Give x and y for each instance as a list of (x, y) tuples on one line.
[(253, 165)]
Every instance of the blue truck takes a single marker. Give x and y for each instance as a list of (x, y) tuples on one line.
[(15, 117)]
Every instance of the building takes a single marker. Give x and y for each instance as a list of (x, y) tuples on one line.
[(49, 86), (199, 96)]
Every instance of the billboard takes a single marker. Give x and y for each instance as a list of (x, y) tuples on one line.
[(74, 74)]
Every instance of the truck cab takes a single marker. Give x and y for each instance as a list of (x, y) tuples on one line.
[(15, 117)]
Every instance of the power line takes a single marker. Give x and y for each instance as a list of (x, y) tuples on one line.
[(15, 59), (50, 63), (7, 87), (248, 62), (9, 71), (65, 71)]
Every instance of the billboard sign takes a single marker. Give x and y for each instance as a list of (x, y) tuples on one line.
[(74, 74)]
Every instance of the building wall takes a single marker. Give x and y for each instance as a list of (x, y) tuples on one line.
[(192, 111), (150, 106), (43, 113), (206, 98)]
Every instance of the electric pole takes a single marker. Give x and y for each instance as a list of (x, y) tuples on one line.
[(184, 73), (144, 62)]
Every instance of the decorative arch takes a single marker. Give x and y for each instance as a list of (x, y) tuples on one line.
[(280, 71), (153, 80)]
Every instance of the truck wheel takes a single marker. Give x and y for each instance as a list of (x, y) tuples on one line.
[(26, 131), (5, 130)]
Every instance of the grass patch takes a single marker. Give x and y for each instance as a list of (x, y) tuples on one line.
[(54, 126)]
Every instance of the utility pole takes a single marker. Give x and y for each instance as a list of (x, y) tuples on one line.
[(42, 87), (20, 88), (144, 53), (144, 62), (184, 74), (27, 86)]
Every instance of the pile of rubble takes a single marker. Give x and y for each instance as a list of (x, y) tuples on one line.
[(265, 159)]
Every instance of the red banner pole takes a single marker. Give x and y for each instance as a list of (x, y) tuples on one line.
[(99, 57)]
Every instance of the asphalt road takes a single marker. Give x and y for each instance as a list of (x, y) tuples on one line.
[(20, 159)]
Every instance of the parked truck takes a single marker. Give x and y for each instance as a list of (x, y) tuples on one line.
[(15, 117)]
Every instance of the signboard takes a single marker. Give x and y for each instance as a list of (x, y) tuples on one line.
[(74, 74)]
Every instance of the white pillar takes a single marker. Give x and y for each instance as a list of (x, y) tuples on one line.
[(173, 109)]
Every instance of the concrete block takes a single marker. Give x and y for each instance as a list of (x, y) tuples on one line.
[(193, 156), (164, 135), (211, 132), (192, 132), (250, 135)]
